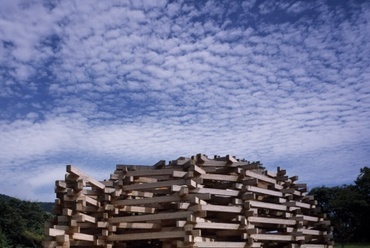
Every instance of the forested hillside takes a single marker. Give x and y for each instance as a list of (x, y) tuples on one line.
[(21, 222)]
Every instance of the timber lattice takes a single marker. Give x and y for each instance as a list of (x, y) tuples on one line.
[(196, 202)]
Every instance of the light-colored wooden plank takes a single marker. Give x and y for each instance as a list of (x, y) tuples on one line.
[(138, 225), (53, 232), (291, 191), (197, 169), (219, 177), (266, 205), (61, 227), (218, 225), (150, 217), (140, 194), (159, 199), (263, 191), (102, 224), (231, 159), (154, 185), (79, 173), (61, 184), (148, 235), (89, 200), (260, 177), (216, 191), (84, 217), (179, 174), (272, 237), (150, 172), (302, 217), (136, 209), (181, 161), (269, 220), (216, 208), (146, 180), (82, 236), (312, 232), (314, 246), (270, 174), (213, 163), (297, 204)]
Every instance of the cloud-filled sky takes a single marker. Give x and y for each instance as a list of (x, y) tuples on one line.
[(100, 83)]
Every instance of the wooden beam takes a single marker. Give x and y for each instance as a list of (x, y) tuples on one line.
[(263, 191), (84, 217), (150, 217), (179, 174), (82, 236), (154, 185), (218, 225), (260, 177), (273, 237), (197, 169), (216, 191), (297, 204), (217, 208), (266, 205), (139, 225), (149, 172), (315, 246), (301, 217), (140, 194), (269, 220), (79, 173), (136, 209), (53, 232), (158, 199), (147, 236), (219, 177)]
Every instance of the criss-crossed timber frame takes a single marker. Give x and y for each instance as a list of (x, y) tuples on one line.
[(190, 202)]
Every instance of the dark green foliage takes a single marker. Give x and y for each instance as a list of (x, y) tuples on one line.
[(348, 207), (21, 223), (46, 206), (362, 185), (363, 182), (4, 243), (5, 197)]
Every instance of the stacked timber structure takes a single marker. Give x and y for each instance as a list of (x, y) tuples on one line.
[(190, 202)]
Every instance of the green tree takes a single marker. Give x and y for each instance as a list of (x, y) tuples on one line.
[(340, 204), (22, 222), (348, 208), (362, 185), (345, 205), (3, 240)]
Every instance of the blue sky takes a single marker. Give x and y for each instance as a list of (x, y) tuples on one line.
[(97, 83)]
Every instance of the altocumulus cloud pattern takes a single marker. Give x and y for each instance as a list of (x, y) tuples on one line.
[(96, 83)]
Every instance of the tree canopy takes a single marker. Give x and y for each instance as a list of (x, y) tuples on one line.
[(21, 223), (348, 207)]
